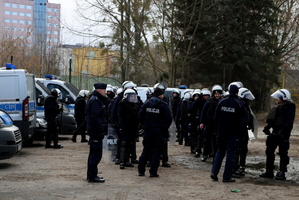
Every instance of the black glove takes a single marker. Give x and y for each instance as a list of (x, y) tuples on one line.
[(266, 131)]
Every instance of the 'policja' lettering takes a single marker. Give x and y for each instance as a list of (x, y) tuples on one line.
[(153, 110), (227, 109)]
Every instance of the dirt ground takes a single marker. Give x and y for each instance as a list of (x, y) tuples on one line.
[(39, 173)]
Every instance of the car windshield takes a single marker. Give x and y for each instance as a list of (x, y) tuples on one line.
[(5, 119)]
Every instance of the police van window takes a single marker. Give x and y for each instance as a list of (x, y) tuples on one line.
[(63, 91), (38, 93)]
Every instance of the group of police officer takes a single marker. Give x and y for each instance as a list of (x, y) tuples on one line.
[(216, 124), (213, 123)]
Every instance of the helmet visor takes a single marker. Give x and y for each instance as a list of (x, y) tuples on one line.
[(277, 95), (132, 98), (247, 95)]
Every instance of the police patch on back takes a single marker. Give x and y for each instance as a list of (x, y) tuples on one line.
[(153, 110), (227, 109)]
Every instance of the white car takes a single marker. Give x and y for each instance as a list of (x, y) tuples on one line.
[(10, 137)]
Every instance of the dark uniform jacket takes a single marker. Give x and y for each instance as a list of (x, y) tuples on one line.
[(282, 124), (230, 117), (51, 107), (80, 105), (208, 111), (96, 113), (155, 117), (128, 119)]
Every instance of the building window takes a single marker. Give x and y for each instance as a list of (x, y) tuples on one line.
[(7, 4), (49, 17), (21, 29), (22, 14), (7, 12), (14, 28), (7, 36), (7, 28), (14, 21), (28, 14), (28, 30), (7, 20), (55, 40), (22, 6), (56, 32), (22, 22), (49, 24), (21, 37), (56, 25), (55, 10), (56, 17), (14, 5), (49, 32), (50, 9), (29, 38), (28, 22), (29, 7), (14, 13)]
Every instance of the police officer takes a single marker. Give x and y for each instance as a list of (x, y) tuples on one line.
[(175, 100), (207, 123), (51, 111), (128, 109), (155, 116), (280, 118), (230, 117), (240, 161), (96, 113), (80, 105)]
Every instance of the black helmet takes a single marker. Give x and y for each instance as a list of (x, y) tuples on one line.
[(56, 93)]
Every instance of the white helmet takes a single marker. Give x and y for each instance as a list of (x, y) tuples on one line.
[(217, 88), (83, 93), (176, 91), (187, 96), (282, 94), (128, 84), (205, 91), (56, 93), (187, 91), (118, 91), (130, 95), (244, 93), (162, 86), (197, 90), (109, 89), (239, 84)]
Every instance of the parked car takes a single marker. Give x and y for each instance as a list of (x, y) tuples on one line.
[(10, 137)]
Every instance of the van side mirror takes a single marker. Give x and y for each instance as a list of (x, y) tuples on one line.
[(40, 100), (67, 99)]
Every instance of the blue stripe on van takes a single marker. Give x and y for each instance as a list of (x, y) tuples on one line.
[(11, 106), (15, 106)]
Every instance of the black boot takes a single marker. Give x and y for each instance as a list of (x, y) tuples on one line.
[(280, 176), (267, 174)]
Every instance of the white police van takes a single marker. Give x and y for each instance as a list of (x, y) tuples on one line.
[(17, 89), (68, 90)]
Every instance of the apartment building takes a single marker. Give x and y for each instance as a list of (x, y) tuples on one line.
[(36, 21)]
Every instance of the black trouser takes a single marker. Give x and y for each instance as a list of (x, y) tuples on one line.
[(127, 150), (94, 157), (272, 142), (52, 133), (81, 129), (165, 151), (208, 141), (152, 146)]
